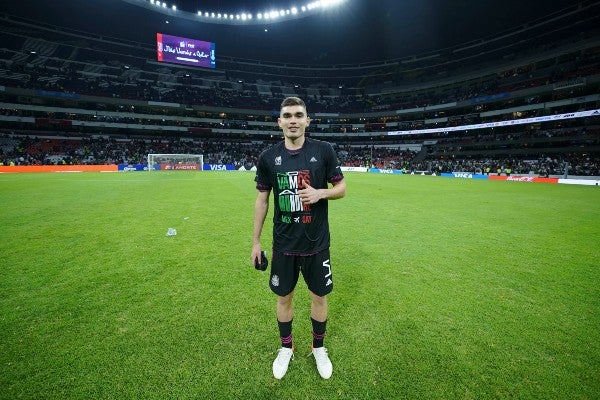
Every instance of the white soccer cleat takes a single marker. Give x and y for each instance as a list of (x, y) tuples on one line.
[(324, 365), (280, 365)]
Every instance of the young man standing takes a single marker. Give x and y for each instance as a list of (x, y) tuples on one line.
[(298, 171)]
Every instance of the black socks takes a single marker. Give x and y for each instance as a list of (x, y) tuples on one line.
[(285, 332), (318, 332)]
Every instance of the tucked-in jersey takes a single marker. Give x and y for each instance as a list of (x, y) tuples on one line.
[(298, 228)]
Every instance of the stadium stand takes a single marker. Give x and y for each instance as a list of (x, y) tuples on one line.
[(73, 97)]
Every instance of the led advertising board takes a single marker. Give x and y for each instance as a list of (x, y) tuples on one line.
[(179, 50)]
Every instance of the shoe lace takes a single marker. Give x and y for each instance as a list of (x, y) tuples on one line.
[(320, 355), (284, 353)]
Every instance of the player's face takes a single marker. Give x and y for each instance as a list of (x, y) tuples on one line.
[(293, 121)]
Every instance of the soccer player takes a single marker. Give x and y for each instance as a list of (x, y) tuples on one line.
[(298, 171)]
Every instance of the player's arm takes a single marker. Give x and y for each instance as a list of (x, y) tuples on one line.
[(337, 191), (311, 195), (261, 207)]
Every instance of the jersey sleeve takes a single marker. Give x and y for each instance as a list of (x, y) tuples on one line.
[(262, 174), (334, 170)]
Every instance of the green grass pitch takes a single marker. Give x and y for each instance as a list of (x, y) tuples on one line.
[(444, 289)]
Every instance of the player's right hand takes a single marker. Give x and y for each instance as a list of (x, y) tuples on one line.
[(255, 255)]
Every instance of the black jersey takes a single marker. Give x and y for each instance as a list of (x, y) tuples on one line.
[(298, 228)]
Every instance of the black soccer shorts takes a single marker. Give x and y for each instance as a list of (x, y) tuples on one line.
[(316, 271)]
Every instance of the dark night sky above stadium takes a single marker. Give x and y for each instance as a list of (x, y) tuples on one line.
[(358, 31)]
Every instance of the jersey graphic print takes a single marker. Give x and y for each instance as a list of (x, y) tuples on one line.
[(289, 200)]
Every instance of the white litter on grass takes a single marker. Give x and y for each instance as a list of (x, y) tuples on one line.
[(186, 217), (171, 232)]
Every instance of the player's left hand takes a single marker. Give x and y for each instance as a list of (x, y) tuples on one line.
[(309, 194)]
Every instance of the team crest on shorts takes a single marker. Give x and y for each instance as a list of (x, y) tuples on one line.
[(275, 280)]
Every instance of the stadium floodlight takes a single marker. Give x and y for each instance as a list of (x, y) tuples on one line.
[(237, 18)]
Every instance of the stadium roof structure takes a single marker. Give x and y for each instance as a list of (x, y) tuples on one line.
[(351, 32)]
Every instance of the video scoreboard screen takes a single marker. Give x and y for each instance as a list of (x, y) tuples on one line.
[(179, 50)]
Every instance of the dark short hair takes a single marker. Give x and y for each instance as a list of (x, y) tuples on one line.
[(293, 101)]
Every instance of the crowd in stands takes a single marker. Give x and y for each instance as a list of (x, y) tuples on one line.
[(106, 150), (231, 94), (229, 114), (558, 164), (30, 150), (99, 69)]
